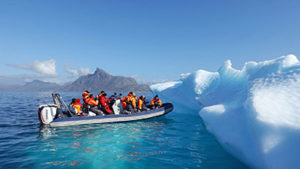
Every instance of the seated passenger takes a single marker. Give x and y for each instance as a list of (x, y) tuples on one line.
[(114, 96), (104, 103), (85, 95), (129, 102), (120, 96), (123, 101), (142, 104), (77, 106), (72, 102), (156, 102), (71, 106), (101, 93), (93, 105)]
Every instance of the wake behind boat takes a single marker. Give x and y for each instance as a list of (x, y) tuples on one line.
[(58, 114)]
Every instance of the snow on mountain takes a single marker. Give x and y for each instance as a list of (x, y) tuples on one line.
[(254, 112)]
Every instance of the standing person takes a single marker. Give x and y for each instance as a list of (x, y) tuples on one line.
[(94, 105), (104, 103), (156, 102), (142, 104)]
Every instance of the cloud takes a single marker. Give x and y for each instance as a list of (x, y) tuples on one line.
[(43, 68), (77, 72)]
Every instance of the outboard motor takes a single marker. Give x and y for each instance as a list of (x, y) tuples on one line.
[(47, 113)]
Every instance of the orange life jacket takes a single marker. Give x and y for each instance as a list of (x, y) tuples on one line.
[(85, 95), (140, 103), (77, 106), (91, 101), (129, 100), (158, 101)]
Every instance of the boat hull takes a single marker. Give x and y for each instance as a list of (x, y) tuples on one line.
[(164, 109)]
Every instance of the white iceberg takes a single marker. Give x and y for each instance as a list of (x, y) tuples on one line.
[(254, 112)]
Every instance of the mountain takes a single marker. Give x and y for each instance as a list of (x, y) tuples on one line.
[(38, 86), (101, 80)]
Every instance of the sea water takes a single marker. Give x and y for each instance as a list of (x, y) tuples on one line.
[(177, 140)]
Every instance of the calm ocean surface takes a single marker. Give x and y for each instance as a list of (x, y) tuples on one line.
[(177, 140)]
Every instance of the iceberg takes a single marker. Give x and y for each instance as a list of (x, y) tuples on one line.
[(254, 112)]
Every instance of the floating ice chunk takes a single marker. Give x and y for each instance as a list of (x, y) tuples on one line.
[(162, 86), (218, 109), (253, 112)]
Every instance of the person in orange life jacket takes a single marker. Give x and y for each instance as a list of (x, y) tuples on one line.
[(130, 102), (104, 103), (142, 104), (85, 95), (77, 106), (93, 105), (156, 102), (136, 98), (123, 100)]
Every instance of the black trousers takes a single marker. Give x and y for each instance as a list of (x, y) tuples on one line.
[(96, 110)]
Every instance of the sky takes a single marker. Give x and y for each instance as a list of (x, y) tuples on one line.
[(154, 40)]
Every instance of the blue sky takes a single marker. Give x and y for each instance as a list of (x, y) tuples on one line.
[(153, 40)]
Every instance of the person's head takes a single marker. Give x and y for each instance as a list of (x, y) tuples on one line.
[(104, 94), (156, 97), (77, 100), (115, 94), (130, 94), (87, 91), (73, 100), (91, 95), (120, 94)]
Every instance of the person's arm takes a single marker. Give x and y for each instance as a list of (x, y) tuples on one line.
[(152, 102), (123, 99), (160, 103), (93, 102)]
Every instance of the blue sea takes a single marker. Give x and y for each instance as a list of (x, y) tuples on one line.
[(177, 140)]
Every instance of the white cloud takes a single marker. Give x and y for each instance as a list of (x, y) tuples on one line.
[(77, 72), (44, 68)]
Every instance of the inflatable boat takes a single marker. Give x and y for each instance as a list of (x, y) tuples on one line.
[(58, 114)]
